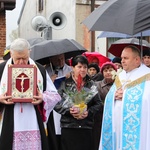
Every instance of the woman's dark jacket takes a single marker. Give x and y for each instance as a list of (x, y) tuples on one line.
[(103, 88), (67, 120)]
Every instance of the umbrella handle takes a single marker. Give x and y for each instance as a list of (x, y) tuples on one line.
[(51, 67), (141, 45)]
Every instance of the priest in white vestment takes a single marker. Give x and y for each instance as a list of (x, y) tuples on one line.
[(126, 118), (23, 125)]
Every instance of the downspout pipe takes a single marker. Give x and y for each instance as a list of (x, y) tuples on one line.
[(92, 32)]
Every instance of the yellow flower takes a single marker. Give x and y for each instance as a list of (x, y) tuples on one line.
[(82, 107), (78, 99)]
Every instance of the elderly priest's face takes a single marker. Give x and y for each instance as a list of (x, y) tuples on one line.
[(20, 57)]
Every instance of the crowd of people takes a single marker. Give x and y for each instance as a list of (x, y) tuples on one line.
[(94, 108)]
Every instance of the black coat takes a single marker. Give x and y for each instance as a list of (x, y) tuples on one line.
[(67, 120)]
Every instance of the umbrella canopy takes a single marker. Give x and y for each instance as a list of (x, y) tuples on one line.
[(96, 57), (117, 47), (42, 51), (34, 41), (106, 34), (123, 16)]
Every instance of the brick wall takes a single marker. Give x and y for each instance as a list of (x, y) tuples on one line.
[(2, 33)]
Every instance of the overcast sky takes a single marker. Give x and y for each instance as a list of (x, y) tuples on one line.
[(11, 19)]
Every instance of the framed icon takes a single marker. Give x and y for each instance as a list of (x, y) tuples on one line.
[(22, 82)]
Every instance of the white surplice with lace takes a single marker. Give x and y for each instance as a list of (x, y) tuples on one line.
[(26, 128)]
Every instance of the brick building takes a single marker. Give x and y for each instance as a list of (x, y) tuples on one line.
[(4, 5)]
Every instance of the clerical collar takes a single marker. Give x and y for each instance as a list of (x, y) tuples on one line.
[(134, 69)]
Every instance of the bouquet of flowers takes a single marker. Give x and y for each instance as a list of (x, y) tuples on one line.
[(78, 96)]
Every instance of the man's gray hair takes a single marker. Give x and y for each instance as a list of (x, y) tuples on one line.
[(19, 45)]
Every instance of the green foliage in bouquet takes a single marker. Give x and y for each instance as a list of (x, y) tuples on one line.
[(78, 94), (78, 97)]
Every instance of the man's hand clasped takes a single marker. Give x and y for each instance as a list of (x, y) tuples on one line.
[(119, 94), (37, 99), (6, 99)]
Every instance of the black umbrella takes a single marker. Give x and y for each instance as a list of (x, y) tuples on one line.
[(122, 35), (123, 16), (42, 51), (34, 41), (31, 41), (117, 47)]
